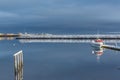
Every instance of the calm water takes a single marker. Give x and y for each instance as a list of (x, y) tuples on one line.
[(58, 61)]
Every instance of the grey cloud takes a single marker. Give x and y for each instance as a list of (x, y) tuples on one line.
[(94, 12), (7, 14), (52, 12)]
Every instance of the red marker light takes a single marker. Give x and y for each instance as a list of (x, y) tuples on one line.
[(98, 40)]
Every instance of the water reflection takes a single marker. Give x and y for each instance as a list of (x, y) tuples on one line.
[(7, 38), (64, 41), (45, 59), (98, 53)]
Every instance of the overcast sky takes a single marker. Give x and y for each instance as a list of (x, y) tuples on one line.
[(69, 13)]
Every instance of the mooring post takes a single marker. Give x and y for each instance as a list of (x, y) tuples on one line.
[(18, 65)]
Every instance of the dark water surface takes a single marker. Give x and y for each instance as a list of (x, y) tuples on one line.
[(58, 61)]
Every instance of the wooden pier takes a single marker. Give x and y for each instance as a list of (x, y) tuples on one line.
[(9, 35)]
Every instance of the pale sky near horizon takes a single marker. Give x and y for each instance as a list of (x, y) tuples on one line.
[(69, 13)]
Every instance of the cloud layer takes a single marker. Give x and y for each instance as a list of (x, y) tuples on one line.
[(60, 12)]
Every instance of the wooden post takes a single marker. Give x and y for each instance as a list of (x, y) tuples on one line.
[(18, 65)]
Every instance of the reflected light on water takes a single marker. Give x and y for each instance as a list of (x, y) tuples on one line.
[(98, 53)]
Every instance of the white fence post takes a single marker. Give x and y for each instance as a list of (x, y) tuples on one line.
[(18, 65)]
